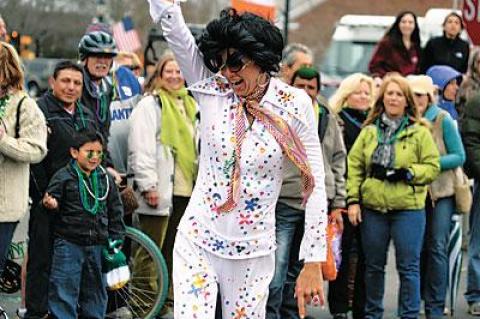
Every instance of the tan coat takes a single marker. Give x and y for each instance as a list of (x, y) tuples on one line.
[(16, 154)]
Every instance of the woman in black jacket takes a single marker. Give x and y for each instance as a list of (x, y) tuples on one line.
[(351, 102), (448, 49)]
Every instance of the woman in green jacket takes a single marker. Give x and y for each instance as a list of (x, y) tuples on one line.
[(389, 167)]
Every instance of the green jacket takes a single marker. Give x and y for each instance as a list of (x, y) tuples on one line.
[(414, 149)]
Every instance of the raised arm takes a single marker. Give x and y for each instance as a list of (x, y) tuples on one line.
[(180, 39)]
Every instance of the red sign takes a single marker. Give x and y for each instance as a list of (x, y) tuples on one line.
[(471, 15)]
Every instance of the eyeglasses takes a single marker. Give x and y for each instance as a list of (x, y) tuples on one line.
[(91, 154), (234, 62)]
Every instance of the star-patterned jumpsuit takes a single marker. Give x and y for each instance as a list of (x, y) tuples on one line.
[(234, 252)]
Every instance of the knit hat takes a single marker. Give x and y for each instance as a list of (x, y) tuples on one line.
[(422, 84)]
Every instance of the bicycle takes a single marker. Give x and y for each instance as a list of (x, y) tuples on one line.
[(142, 298), (145, 293), (3, 314)]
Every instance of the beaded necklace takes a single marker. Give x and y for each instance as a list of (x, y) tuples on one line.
[(3, 105), (101, 109), (79, 108), (85, 191)]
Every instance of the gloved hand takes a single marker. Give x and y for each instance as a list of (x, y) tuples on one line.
[(157, 7), (399, 174)]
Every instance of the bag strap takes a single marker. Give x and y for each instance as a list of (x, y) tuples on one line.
[(159, 100), (437, 132), (17, 124), (322, 124), (439, 119)]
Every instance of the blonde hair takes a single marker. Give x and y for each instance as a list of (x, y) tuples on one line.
[(154, 81), (348, 86), (379, 107), (11, 73), (129, 55)]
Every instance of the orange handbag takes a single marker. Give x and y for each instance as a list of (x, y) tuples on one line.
[(334, 237)]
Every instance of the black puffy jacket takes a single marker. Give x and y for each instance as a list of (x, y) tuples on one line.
[(73, 222)]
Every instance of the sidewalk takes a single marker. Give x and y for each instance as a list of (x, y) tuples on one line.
[(11, 302)]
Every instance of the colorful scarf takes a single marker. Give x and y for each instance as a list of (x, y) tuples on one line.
[(283, 134), (176, 133), (387, 133)]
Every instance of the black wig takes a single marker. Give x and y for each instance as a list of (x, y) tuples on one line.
[(253, 36), (395, 34)]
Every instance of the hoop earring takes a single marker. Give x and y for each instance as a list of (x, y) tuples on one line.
[(267, 80)]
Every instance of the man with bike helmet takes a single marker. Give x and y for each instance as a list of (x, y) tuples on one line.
[(96, 50)]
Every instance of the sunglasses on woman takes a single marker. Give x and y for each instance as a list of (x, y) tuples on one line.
[(235, 62)]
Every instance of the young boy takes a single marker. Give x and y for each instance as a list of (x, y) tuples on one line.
[(88, 212)]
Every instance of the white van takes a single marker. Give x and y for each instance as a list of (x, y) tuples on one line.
[(351, 47), (355, 38)]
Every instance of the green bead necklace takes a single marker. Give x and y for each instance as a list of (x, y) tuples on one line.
[(3, 105), (86, 193), (102, 108)]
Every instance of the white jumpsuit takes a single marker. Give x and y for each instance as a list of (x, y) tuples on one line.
[(234, 251)]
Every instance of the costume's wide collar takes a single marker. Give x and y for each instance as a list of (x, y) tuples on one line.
[(278, 92)]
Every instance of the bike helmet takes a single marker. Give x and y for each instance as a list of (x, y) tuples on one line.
[(96, 42)]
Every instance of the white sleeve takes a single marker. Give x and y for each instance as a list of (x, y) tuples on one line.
[(142, 143), (314, 243), (180, 40)]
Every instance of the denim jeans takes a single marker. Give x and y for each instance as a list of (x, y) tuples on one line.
[(76, 282), (435, 278), (6, 235), (289, 221), (473, 278), (407, 229)]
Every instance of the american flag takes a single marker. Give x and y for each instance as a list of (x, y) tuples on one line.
[(126, 36)]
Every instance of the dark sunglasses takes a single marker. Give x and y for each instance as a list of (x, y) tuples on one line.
[(233, 62)]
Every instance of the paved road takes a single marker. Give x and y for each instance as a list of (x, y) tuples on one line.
[(11, 302)]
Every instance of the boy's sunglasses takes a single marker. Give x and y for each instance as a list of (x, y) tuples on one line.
[(235, 62), (91, 154)]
